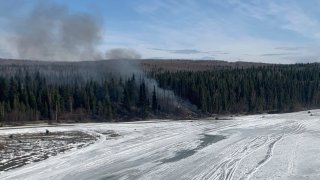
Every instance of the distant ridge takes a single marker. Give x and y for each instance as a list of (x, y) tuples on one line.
[(147, 64), (196, 65)]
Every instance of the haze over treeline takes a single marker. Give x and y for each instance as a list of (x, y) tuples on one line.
[(83, 91), (58, 92), (59, 87)]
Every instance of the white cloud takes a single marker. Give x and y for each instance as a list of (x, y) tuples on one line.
[(284, 14), (230, 35), (187, 25)]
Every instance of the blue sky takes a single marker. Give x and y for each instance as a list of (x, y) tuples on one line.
[(277, 31)]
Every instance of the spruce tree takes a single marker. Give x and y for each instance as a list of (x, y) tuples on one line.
[(154, 100)]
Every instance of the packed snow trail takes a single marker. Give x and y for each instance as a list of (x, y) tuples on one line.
[(274, 146)]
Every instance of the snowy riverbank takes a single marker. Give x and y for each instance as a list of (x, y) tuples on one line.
[(277, 146)]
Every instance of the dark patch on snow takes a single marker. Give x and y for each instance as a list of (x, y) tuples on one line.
[(110, 134), (20, 149), (205, 141), (112, 177), (129, 174)]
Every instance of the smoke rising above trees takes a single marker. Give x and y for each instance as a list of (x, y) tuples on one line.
[(122, 53), (53, 32), (48, 31)]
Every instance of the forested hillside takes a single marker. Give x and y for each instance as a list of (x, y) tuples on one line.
[(174, 65), (135, 90), (29, 97), (83, 91), (276, 88)]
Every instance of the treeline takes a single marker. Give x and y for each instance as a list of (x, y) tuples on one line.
[(29, 96), (57, 95), (276, 88)]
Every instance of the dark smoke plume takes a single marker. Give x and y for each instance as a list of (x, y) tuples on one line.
[(126, 62), (53, 32), (122, 54)]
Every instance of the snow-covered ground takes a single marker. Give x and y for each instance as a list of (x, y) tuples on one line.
[(277, 146)]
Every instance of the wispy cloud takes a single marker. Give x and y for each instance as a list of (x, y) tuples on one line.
[(232, 34), (286, 14), (290, 48), (181, 51), (276, 54), (274, 31)]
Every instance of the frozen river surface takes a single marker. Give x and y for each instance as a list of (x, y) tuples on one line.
[(277, 146)]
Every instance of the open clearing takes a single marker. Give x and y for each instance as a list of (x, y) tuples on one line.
[(273, 146)]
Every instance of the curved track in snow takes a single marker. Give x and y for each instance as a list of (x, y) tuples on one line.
[(277, 146)]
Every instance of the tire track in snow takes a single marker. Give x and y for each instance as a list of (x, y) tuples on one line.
[(293, 157), (294, 128), (225, 170), (254, 146), (266, 159), (168, 139)]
